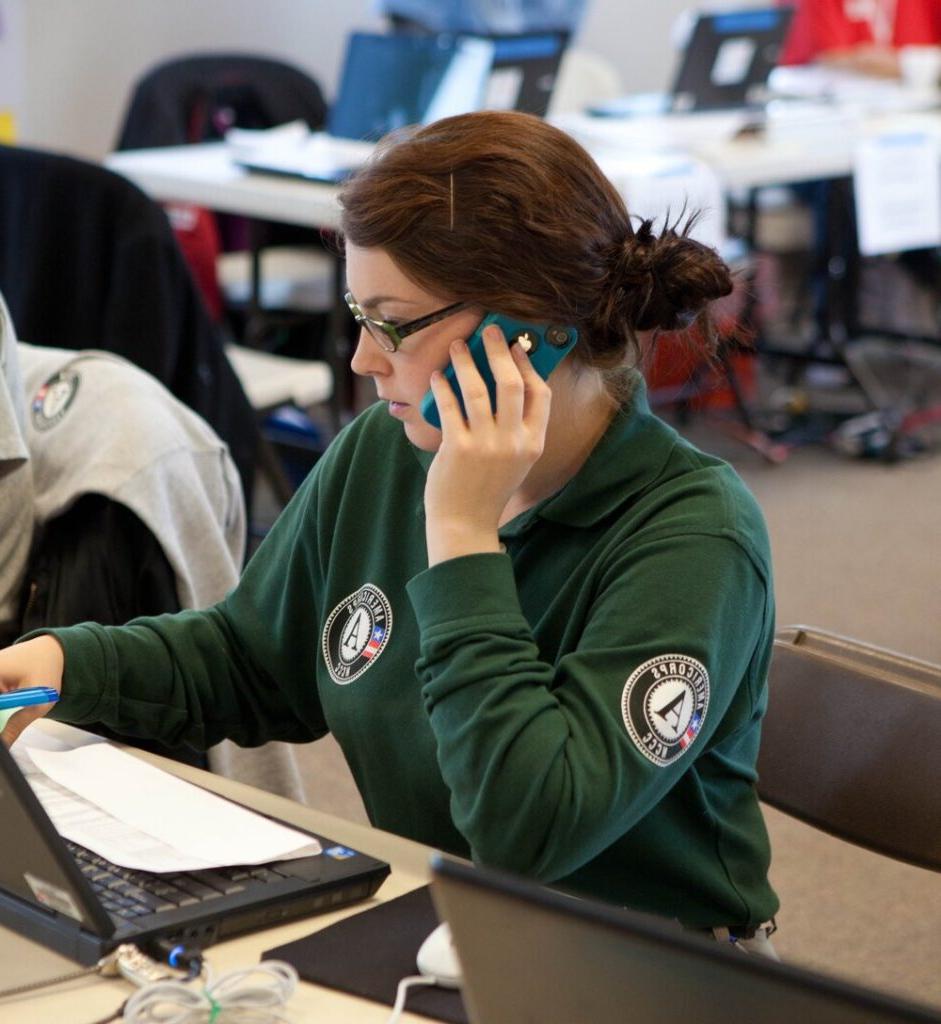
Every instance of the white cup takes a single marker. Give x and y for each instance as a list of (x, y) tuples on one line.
[(920, 66)]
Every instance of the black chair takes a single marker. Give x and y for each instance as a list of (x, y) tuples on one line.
[(198, 98), (277, 284), (87, 260), (851, 744)]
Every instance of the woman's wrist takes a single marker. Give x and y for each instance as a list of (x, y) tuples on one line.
[(452, 539)]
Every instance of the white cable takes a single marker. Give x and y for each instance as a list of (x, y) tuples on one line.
[(412, 981), (223, 1001)]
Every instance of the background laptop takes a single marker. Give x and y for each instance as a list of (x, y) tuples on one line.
[(725, 65), (532, 954), (80, 905), (523, 71), (389, 81)]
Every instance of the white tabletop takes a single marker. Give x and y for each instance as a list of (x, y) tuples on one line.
[(92, 998), (806, 145), (206, 175), (797, 143)]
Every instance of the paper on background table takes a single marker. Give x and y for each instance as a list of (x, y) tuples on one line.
[(897, 188), (292, 148), (150, 820)]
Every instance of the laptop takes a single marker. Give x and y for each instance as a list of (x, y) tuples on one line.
[(68, 898), (523, 71), (389, 81), (529, 953), (726, 63)]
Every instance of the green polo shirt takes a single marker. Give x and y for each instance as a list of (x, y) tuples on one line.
[(583, 708)]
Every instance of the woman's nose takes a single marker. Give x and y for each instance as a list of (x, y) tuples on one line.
[(369, 360)]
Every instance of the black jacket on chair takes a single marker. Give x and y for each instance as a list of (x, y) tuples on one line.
[(196, 97), (87, 260)]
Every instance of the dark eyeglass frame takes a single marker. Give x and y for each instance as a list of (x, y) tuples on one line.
[(389, 336)]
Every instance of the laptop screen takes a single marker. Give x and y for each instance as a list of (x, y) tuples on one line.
[(523, 72), (529, 953), (728, 58), (389, 81)]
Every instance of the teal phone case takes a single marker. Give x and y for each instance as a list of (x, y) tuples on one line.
[(550, 344)]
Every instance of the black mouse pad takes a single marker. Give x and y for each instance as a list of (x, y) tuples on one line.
[(368, 953)]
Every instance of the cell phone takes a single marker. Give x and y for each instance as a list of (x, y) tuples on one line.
[(546, 344)]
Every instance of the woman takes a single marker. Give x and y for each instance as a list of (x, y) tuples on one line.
[(864, 36), (540, 635)]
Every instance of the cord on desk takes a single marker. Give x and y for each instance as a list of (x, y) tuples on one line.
[(411, 981), (222, 1001), (107, 966), (59, 979)]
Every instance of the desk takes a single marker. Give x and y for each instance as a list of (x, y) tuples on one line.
[(792, 152), (91, 998), (205, 174)]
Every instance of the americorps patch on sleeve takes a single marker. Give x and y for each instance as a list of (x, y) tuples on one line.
[(664, 705)]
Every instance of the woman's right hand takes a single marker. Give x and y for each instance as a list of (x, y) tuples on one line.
[(36, 662)]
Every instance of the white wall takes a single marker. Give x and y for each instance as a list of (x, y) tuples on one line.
[(82, 56)]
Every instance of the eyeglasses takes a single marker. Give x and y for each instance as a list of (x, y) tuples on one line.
[(390, 336)]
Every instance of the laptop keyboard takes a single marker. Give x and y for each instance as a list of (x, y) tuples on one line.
[(126, 893)]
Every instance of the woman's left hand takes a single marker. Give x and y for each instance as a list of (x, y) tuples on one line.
[(485, 458)]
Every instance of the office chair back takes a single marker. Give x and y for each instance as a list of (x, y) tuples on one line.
[(197, 97), (851, 744)]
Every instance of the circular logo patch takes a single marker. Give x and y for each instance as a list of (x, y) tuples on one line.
[(53, 399), (664, 705), (356, 633)]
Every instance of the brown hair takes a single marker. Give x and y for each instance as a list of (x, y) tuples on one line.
[(504, 211)]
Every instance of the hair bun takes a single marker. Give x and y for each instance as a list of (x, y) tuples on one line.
[(666, 281)]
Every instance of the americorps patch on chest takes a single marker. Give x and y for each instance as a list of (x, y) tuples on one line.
[(356, 633)]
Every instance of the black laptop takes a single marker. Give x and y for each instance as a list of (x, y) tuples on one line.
[(725, 65), (529, 953), (389, 81), (523, 70), (81, 905)]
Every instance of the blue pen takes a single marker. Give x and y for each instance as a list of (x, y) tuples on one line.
[(27, 696)]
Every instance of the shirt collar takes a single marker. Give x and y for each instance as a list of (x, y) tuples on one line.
[(629, 457), (626, 461)]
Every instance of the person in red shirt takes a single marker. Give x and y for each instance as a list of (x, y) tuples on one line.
[(861, 35), (864, 36)]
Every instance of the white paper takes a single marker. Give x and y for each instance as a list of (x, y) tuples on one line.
[(292, 133), (461, 89), (503, 89), (897, 179), (732, 61), (646, 133), (314, 155), (141, 817)]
